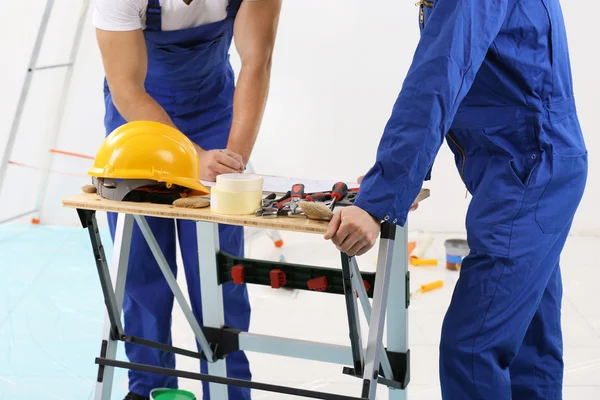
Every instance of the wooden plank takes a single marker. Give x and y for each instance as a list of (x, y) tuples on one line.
[(88, 201)]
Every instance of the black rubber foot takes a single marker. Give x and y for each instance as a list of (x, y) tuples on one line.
[(133, 396)]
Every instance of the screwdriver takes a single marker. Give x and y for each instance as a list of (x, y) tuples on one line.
[(338, 192), (318, 196), (297, 191)]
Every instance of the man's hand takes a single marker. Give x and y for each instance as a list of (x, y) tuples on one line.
[(353, 231), (217, 162)]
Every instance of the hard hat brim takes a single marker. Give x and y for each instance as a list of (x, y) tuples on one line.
[(198, 187)]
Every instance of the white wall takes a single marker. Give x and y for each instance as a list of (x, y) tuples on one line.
[(338, 67)]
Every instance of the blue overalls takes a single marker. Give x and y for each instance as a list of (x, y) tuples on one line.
[(190, 76), (495, 76)]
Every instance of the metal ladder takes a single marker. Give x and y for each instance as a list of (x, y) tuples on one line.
[(53, 134)]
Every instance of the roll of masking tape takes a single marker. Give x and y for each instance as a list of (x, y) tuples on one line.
[(236, 194), (239, 183)]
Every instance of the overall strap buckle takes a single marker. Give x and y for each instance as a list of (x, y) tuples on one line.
[(153, 16)]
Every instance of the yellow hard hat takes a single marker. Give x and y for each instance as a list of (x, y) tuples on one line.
[(146, 150)]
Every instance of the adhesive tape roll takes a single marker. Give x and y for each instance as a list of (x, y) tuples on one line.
[(236, 194), (239, 183)]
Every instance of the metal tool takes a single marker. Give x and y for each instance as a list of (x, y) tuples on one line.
[(268, 210), (289, 204), (272, 207), (293, 209), (267, 201), (340, 196)]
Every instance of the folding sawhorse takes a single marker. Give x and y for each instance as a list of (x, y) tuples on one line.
[(388, 285)]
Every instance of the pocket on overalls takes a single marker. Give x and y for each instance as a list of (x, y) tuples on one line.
[(188, 47), (522, 175), (562, 195), (179, 61)]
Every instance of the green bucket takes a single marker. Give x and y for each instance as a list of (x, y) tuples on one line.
[(171, 394)]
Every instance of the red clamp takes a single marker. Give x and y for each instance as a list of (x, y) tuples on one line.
[(238, 273), (318, 284), (367, 287), (278, 278)]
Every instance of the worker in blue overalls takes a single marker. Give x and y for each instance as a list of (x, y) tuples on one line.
[(494, 78), (168, 61)]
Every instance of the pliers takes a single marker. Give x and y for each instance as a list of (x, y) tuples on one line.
[(271, 206), (292, 209)]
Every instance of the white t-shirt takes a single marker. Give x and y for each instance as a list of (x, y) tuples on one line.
[(128, 15)]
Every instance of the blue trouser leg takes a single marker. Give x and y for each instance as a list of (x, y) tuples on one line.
[(235, 298), (501, 337), (496, 302), (537, 370), (148, 303), (503, 322)]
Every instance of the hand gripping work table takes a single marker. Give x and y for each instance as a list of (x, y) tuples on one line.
[(373, 364)]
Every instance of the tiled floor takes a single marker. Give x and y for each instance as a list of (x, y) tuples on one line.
[(51, 315)]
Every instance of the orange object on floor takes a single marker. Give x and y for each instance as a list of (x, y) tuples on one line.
[(431, 286), (428, 287), (411, 247), (423, 261)]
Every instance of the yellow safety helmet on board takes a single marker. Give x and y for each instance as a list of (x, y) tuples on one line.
[(146, 150)]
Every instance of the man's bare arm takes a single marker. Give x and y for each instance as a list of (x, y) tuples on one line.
[(125, 60), (125, 64), (254, 35)]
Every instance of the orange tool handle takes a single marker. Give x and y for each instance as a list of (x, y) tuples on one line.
[(339, 191), (298, 191)]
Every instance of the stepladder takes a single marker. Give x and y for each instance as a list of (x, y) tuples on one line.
[(50, 138)]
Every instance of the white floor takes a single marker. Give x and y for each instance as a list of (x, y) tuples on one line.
[(321, 317), (51, 315)]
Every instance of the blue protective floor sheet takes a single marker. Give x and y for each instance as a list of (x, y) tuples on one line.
[(51, 314)]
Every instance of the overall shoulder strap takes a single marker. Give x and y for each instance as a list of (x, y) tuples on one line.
[(233, 7), (153, 16)]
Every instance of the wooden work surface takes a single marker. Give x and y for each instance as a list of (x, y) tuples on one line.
[(88, 201)]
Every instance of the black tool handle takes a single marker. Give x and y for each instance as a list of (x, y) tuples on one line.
[(297, 191), (339, 191), (287, 197), (318, 197)]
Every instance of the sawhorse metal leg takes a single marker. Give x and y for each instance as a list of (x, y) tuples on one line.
[(377, 320), (377, 360), (207, 235), (353, 317), (399, 296), (120, 261), (364, 299), (113, 291), (172, 282)]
